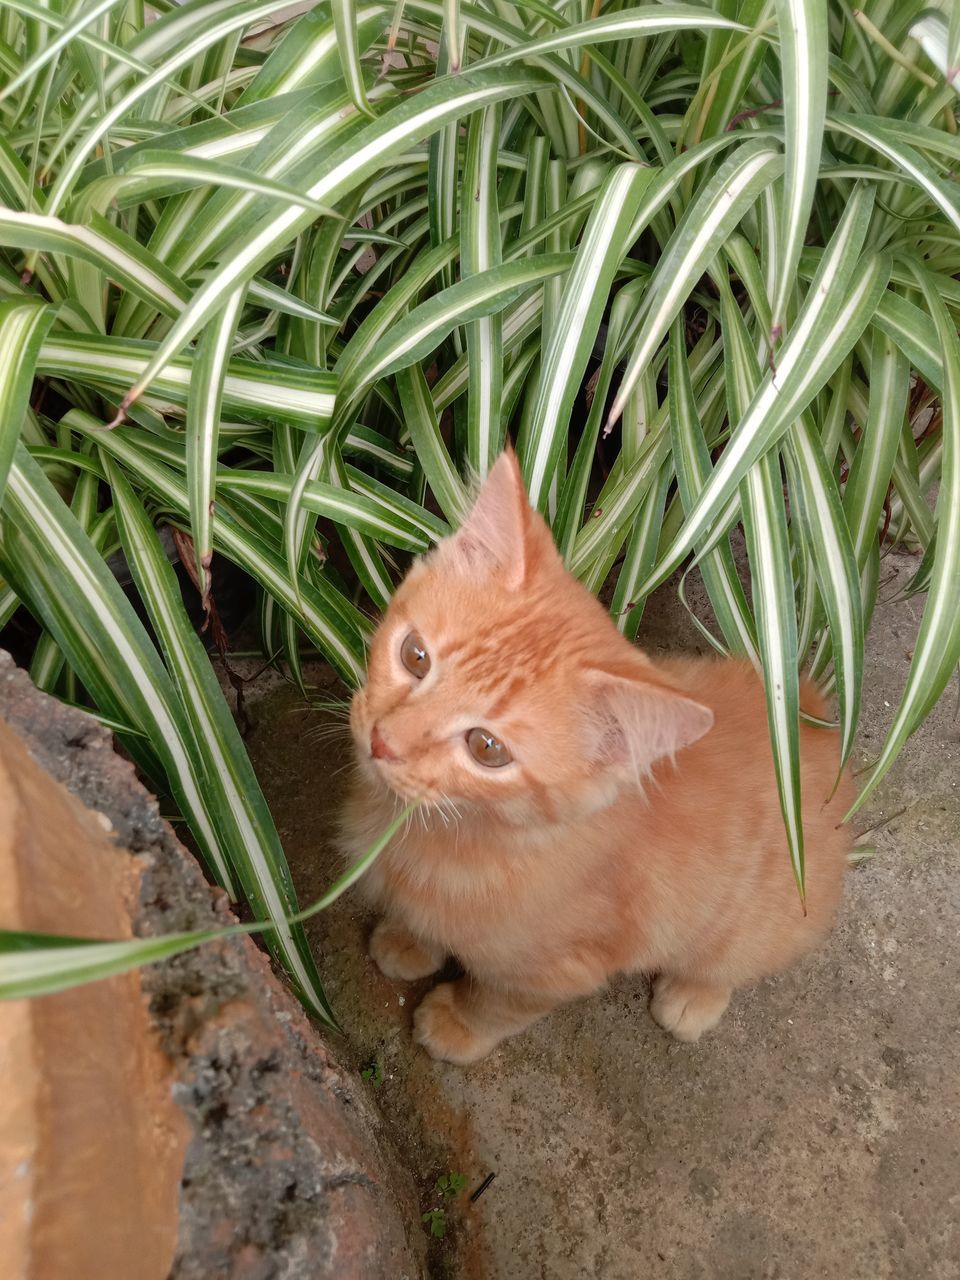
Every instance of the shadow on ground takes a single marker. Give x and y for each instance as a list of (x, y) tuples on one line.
[(815, 1134)]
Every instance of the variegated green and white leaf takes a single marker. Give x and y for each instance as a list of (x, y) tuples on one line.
[(771, 578), (343, 172), (204, 400), (261, 390), (245, 829), (937, 650), (24, 324), (802, 26), (703, 229), (838, 307), (59, 573), (576, 323), (42, 964), (104, 246), (691, 458)]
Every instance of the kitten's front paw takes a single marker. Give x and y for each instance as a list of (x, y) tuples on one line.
[(399, 955), (687, 1009), (441, 1027)]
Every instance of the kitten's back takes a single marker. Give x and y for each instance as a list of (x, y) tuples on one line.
[(714, 825)]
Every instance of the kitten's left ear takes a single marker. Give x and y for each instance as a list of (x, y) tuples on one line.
[(494, 535), (639, 717)]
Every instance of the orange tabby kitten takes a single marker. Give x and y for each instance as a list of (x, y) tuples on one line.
[(587, 811)]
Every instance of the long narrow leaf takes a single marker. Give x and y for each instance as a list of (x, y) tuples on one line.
[(204, 402), (480, 250), (771, 576), (577, 320), (232, 794), (421, 421), (258, 390), (342, 172), (102, 245), (703, 229), (937, 650), (345, 25), (838, 307), (692, 460), (804, 60), (69, 587), (23, 327)]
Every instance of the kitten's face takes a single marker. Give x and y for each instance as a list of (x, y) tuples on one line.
[(495, 677)]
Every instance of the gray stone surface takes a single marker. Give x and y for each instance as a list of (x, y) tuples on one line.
[(815, 1135)]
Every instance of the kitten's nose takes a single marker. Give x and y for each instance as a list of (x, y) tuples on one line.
[(379, 748)]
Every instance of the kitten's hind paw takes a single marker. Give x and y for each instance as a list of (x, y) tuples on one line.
[(399, 955), (687, 1009)]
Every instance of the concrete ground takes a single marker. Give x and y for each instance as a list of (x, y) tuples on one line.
[(815, 1135)]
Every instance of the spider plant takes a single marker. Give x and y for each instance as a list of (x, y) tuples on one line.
[(280, 275)]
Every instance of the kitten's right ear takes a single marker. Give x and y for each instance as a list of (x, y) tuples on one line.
[(493, 538)]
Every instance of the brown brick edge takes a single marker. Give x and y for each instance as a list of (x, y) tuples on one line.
[(287, 1174)]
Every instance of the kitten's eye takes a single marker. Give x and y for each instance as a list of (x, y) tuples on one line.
[(486, 749), (414, 656)]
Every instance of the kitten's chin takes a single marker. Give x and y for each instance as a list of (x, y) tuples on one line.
[(384, 778)]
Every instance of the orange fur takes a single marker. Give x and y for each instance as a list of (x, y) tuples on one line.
[(637, 827)]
